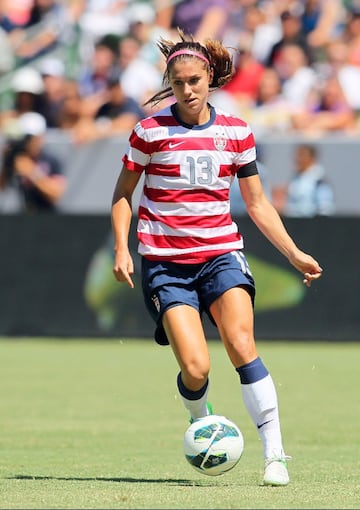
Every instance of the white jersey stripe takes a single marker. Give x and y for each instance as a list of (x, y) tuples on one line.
[(167, 252), (182, 182), (157, 228), (186, 208)]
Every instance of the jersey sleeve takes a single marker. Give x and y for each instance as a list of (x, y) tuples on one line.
[(248, 170), (137, 155), (245, 159)]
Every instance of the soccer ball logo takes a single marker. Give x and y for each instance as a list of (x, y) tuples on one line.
[(213, 445)]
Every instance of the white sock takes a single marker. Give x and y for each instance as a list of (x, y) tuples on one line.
[(260, 400)]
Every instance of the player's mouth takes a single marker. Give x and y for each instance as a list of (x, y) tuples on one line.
[(191, 101)]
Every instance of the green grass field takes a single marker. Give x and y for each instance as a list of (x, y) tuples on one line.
[(98, 424)]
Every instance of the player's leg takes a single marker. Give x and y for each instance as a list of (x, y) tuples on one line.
[(173, 302), (233, 314), (185, 333)]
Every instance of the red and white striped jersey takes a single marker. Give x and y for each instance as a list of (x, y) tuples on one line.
[(184, 210)]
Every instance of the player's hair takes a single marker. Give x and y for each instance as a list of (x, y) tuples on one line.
[(213, 54)]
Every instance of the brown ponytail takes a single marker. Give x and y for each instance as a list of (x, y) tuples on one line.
[(214, 52)]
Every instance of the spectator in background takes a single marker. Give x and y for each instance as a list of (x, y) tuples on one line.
[(27, 86), (117, 114), (205, 19), (292, 33), (310, 15), (42, 33), (139, 79), (308, 193), (143, 28), (123, 110), (53, 75), (15, 14), (13, 18), (7, 60), (27, 166), (262, 25), (72, 106), (272, 113), (255, 20), (322, 21), (352, 34), (100, 18), (337, 63), (244, 84), (297, 77), (93, 77), (327, 111)]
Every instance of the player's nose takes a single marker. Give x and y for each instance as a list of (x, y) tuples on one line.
[(187, 89)]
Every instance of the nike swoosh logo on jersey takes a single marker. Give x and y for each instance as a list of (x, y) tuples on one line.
[(173, 145)]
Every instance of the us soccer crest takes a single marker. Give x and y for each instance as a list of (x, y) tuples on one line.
[(220, 142)]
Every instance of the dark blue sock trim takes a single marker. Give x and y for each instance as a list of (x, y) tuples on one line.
[(252, 372), (188, 394)]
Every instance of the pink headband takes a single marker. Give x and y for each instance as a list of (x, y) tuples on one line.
[(187, 52)]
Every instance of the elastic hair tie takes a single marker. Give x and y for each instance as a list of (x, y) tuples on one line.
[(188, 52)]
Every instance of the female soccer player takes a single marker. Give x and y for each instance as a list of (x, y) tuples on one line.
[(192, 258)]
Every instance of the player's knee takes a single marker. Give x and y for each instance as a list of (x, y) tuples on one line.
[(241, 345), (196, 373)]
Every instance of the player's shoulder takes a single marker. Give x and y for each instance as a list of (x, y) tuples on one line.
[(228, 118), (163, 117), (155, 125)]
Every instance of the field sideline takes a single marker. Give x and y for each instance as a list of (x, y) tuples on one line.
[(98, 424)]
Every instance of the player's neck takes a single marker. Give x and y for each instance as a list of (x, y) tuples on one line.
[(196, 119)]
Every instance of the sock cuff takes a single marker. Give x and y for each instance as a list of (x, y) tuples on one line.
[(252, 372), (189, 394)]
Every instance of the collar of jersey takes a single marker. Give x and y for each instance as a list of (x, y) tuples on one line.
[(194, 126)]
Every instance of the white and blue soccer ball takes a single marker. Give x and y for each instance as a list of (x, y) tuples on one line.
[(213, 445)]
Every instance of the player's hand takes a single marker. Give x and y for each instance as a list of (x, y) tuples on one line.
[(124, 268), (307, 265)]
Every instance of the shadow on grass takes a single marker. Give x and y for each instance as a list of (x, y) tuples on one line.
[(171, 481)]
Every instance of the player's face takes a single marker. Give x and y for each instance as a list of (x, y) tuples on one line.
[(189, 80)]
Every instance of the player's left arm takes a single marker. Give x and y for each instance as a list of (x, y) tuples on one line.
[(269, 222)]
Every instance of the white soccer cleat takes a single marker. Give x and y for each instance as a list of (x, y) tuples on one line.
[(276, 472)]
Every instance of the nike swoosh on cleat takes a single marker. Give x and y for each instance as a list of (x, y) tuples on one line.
[(262, 424), (173, 145)]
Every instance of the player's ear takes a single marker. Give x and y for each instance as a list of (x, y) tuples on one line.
[(211, 75)]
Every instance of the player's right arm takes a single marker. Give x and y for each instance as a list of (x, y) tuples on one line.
[(121, 213)]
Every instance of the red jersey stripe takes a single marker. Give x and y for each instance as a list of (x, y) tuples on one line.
[(182, 242), (218, 220), (172, 195), (193, 144), (162, 169), (131, 165), (191, 258)]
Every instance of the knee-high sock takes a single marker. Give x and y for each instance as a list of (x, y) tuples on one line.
[(194, 401), (260, 399)]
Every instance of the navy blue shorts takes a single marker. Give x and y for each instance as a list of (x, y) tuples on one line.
[(167, 284)]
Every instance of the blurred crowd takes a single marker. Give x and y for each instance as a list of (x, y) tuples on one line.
[(87, 67)]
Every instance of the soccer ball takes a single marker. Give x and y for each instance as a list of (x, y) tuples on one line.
[(213, 445)]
